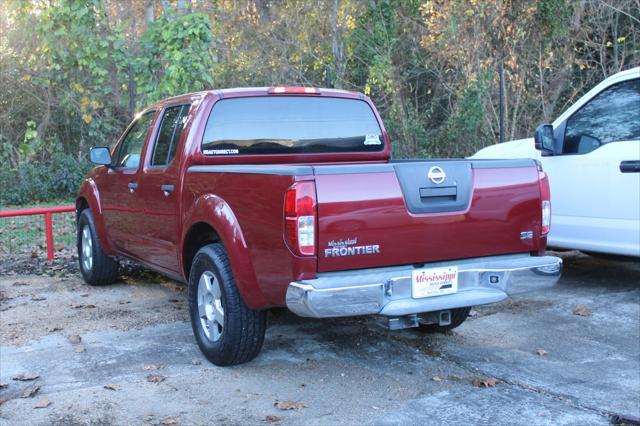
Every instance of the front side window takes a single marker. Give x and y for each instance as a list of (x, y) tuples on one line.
[(612, 115), (131, 147), (173, 121), (291, 125)]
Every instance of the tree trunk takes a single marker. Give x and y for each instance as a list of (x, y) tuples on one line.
[(263, 10), (559, 79), (337, 47), (149, 11), (410, 145)]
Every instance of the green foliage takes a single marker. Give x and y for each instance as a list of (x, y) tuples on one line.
[(411, 125), (175, 57), (431, 67), (27, 147), (372, 43), (56, 177), (69, 86), (77, 79), (84, 62), (552, 17), (384, 64), (465, 130)]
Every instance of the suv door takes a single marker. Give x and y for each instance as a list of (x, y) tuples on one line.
[(595, 192), (158, 191), (120, 184)]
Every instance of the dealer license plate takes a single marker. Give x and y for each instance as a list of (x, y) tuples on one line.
[(428, 282)]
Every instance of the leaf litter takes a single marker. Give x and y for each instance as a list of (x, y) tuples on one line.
[(582, 310), (75, 339), (26, 377), (42, 404), (484, 382), (156, 378), (31, 392), (289, 405), (152, 367)]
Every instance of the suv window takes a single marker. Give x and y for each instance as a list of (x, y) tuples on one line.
[(291, 125), (612, 115), (131, 147), (171, 127)]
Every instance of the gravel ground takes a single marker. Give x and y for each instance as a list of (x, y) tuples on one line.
[(124, 354)]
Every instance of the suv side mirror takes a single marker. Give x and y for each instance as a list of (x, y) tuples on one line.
[(100, 155), (544, 139)]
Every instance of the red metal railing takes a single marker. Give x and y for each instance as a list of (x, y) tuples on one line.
[(48, 213)]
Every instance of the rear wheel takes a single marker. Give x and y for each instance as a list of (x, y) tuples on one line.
[(96, 267), (458, 316), (227, 331)]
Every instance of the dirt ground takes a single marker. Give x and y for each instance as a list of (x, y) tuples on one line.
[(50, 306), (124, 354)]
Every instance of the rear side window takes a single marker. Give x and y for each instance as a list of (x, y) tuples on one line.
[(171, 127), (291, 125)]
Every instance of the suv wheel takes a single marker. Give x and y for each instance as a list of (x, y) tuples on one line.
[(226, 330), (96, 267)]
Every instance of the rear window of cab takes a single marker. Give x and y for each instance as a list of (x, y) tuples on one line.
[(291, 125)]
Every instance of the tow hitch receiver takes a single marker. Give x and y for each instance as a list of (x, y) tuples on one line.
[(442, 318)]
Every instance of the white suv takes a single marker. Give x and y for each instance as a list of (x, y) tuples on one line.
[(592, 156)]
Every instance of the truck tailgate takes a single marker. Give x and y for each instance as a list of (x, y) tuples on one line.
[(398, 213)]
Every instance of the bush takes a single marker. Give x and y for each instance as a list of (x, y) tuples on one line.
[(465, 130), (56, 178)]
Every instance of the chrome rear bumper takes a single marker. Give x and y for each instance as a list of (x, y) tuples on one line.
[(387, 291)]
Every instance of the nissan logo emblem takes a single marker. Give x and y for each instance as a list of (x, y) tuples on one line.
[(436, 175)]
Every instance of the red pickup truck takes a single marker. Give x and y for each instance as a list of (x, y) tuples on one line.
[(287, 196)]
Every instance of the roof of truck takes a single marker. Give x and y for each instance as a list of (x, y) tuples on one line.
[(266, 90), (263, 91)]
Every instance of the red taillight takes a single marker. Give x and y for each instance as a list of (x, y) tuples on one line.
[(545, 196), (300, 218), (294, 90)]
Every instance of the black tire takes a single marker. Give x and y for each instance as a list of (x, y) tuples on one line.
[(240, 338), (102, 269), (458, 316)]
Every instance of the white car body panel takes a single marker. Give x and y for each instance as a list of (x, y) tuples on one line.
[(594, 206)]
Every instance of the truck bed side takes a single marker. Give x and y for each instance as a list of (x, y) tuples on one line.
[(261, 261)]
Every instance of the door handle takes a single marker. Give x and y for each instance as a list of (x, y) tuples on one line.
[(132, 186), (167, 189), (630, 166), (443, 191)]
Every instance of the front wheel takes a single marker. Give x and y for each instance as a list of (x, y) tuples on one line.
[(227, 331), (96, 267)]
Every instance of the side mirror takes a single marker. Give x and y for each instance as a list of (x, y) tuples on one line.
[(544, 139), (100, 155)]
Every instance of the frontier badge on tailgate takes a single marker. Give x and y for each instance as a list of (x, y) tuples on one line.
[(349, 247)]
